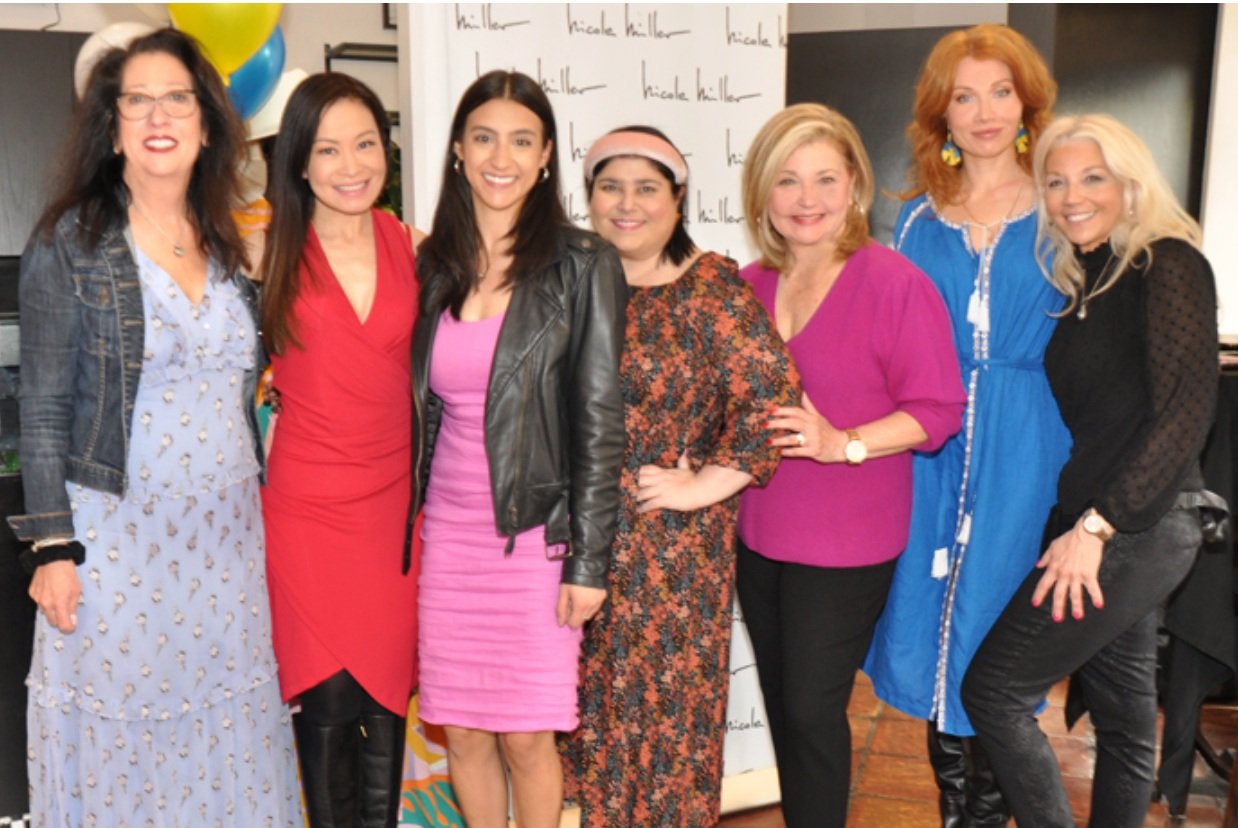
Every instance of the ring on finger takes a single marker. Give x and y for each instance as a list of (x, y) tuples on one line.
[(800, 439)]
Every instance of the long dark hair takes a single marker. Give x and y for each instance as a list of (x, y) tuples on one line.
[(292, 200), (450, 257), (92, 173), (680, 245)]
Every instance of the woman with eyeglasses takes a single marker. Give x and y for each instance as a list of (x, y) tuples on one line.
[(153, 693)]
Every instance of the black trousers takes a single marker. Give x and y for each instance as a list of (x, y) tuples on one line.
[(810, 628), (1110, 652)]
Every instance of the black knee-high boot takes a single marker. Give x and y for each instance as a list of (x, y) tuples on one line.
[(948, 756), (328, 759), (382, 768), (985, 803)]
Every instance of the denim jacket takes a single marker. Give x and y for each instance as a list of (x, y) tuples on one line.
[(82, 336)]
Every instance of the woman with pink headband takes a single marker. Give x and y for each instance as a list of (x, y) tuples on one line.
[(702, 368)]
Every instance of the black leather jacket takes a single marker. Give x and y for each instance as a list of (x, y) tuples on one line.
[(554, 413)]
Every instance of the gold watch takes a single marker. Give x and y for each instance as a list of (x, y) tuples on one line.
[(1096, 525), (855, 451)]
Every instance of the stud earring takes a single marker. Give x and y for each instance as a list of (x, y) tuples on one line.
[(1022, 139), (545, 173), (458, 166), (950, 154)]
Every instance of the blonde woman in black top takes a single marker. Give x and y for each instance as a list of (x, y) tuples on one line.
[(1133, 367)]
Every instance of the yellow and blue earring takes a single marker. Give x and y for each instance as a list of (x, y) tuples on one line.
[(1022, 141), (950, 152)]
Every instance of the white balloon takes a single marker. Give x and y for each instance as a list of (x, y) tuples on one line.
[(115, 36), (265, 122)]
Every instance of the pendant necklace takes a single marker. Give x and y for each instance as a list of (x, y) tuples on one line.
[(985, 227), (1082, 313), (176, 246)]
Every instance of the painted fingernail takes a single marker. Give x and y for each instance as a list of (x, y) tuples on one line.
[(1100, 605), (1078, 614), (1057, 619)]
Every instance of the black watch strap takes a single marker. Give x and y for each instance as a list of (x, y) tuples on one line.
[(68, 551)]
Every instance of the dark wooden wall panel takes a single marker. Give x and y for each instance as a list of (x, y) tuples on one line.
[(1148, 65), (870, 77), (36, 104)]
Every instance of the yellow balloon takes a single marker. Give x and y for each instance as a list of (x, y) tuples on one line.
[(229, 32)]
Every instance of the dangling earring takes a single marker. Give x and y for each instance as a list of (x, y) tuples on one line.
[(950, 152), (1022, 140), (545, 174), (458, 166)]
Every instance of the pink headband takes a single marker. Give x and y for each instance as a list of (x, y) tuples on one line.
[(639, 144)]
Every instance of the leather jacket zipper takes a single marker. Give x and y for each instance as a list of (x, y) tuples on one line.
[(419, 437), (512, 511)]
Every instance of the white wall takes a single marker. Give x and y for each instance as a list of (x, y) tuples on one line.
[(1220, 202), (306, 26)]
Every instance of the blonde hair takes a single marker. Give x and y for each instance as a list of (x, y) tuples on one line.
[(782, 135), (1150, 210), (927, 131)]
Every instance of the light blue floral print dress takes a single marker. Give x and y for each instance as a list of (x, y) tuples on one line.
[(162, 709)]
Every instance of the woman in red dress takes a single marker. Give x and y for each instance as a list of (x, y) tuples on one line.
[(338, 307)]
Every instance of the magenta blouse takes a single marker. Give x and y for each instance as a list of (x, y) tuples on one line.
[(879, 342)]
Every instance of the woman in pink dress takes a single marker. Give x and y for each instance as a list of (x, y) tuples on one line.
[(520, 425), (338, 308)]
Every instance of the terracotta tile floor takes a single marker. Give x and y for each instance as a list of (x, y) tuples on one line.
[(892, 785)]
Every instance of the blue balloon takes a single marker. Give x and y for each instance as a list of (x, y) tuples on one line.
[(251, 85)]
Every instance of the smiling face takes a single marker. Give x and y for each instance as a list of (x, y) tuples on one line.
[(811, 197), (984, 110), (347, 164), (158, 146), (502, 150), (634, 207), (1083, 198)]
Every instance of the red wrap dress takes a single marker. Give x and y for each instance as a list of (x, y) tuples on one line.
[(337, 496)]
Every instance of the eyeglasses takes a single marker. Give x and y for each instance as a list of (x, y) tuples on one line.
[(179, 103)]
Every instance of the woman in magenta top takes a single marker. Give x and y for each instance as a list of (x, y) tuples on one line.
[(871, 337)]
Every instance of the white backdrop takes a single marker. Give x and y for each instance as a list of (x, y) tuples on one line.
[(707, 75)]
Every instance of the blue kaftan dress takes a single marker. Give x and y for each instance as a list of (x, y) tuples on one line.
[(980, 502)]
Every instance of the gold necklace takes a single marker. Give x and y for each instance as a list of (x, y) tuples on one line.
[(1082, 313), (985, 227), (176, 245)]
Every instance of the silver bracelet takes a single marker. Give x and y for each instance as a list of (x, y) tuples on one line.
[(43, 543)]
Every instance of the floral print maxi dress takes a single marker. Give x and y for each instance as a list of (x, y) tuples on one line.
[(702, 367), (162, 708)]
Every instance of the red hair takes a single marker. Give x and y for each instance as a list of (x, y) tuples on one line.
[(927, 131)]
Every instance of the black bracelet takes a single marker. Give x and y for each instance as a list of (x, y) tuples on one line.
[(69, 551)]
